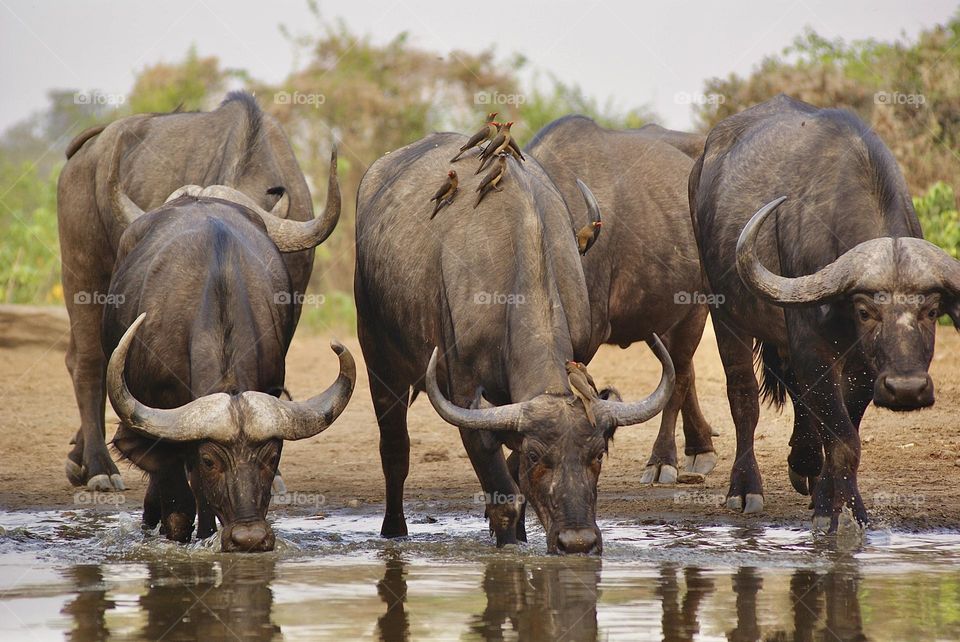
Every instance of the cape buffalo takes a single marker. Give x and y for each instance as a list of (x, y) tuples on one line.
[(643, 273), (196, 398), (500, 292), (830, 282), (234, 145)]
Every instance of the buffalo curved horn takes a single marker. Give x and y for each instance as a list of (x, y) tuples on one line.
[(186, 190), (269, 417), (125, 211), (593, 208), (861, 264), (208, 417), (509, 417), (289, 235), (626, 413)]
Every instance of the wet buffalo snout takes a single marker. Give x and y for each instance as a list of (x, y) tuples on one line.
[(904, 392), (248, 537), (578, 540)]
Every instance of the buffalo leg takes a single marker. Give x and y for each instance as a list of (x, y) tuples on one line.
[(736, 353), (805, 460), (682, 341), (501, 494), (89, 461), (177, 505), (513, 463), (837, 487), (390, 404), (206, 519)]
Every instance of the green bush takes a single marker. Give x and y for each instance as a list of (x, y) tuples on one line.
[(30, 252), (939, 217)]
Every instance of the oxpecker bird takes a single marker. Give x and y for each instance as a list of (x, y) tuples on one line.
[(587, 236), (482, 135), (583, 388), (447, 191), (499, 144), (492, 180)]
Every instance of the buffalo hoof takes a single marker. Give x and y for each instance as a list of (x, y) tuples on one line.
[(821, 523), (754, 503), (691, 478), (659, 474), (801, 484), (74, 473), (702, 464), (105, 483), (393, 527), (278, 487)]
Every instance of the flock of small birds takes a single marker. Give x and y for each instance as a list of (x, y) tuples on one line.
[(495, 141)]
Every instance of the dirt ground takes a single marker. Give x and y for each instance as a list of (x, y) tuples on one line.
[(908, 476)]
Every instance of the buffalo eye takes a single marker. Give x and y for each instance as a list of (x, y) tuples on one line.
[(599, 458), (208, 462), (864, 314), (533, 457), (933, 313)]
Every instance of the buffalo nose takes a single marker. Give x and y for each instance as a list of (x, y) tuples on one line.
[(579, 540), (248, 537), (913, 391)]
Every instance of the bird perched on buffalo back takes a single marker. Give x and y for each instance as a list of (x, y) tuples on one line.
[(587, 236), (492, 180), (500, 143), (583, 387), (447, 191), (482, 135)]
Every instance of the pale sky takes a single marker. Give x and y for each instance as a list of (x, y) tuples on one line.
[(634, 53)]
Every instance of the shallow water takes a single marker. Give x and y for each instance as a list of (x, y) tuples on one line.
[(89, 575)]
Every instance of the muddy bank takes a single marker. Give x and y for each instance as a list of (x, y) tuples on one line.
[(909, 472)]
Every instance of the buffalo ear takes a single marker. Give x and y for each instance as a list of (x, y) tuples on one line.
[(149, 454), (953, 309), (610, 394)]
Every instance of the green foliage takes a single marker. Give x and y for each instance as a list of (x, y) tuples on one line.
[(542, 106), (335, 313), (30, 252), (937, 210), (908, 91), (188, 85)]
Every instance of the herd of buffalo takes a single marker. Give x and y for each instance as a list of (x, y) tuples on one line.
[(790, 224)]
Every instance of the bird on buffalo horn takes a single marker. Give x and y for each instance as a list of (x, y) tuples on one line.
[(587, 236), (482, 135), (583, 388), (491, 182), (447, 191)]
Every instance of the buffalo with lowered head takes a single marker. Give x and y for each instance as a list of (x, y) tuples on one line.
[(235, 145), (199, 334), (490, 303), (643, 272), (807, 231)]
